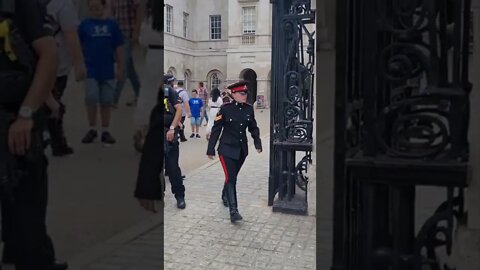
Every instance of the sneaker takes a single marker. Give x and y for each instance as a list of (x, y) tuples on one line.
[(198, 136), (192, 136), (107, 138), (90, 136)]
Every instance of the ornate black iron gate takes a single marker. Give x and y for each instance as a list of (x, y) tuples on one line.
[(293, 55), (401, 120)]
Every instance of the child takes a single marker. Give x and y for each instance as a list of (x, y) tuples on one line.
[(102, 43), (196, 110)]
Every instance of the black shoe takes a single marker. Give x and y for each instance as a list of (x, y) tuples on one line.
[(198, 136), (183, 176), (192, 136), (181, 203), (235, 217), (183, 139), (107, 138), (90, 136), (58, 266), (62, 150)]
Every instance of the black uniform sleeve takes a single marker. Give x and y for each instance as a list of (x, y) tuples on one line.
[(31, 16), (149, 182), (255, 131), (216, 131)]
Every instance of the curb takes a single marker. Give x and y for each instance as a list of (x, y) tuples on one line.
[(117, 241)]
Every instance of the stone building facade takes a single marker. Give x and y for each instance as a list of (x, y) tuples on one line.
[(219, 43)]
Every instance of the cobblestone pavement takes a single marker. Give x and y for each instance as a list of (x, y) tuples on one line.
[(202, 237)]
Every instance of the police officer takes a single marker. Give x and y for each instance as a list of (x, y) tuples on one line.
[(30, 246), (234, 118), (148, 182)]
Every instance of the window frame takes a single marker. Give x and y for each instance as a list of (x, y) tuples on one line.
[(253, 21), (214, 75), (215, 25), (186, 18), (168, 18)]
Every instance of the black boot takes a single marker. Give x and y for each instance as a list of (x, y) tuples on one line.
[(232, 203), (181, 134), (224, 197), (58, 142), (181, 203)]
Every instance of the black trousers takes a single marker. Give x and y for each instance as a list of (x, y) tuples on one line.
[(181, 131), (173, 170), (24, 229), (231, 168), (55, 126)]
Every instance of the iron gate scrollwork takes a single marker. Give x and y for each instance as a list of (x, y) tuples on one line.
[(293, 60), (401, 121)]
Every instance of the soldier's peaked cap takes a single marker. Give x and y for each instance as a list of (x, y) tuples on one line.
[(240, 86)]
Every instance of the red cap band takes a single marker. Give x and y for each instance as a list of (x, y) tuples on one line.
[(239, 88)]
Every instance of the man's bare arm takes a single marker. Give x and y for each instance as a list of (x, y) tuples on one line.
[(140, 16), (74, 48), (45, 72)]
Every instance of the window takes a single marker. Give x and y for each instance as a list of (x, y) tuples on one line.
[(186, 82), (249, 25), (249, 20), (169, 18), (185, 24), (216, 27), (214, 81)]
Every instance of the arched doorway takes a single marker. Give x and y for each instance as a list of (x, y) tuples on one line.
[(251, 76)]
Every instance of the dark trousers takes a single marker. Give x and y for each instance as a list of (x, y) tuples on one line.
[(55, 126), (231, 168), (24, 229), (181, 131), (173, 170)]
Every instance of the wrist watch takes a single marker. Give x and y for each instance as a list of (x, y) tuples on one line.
[(25, 112), (172, 128)]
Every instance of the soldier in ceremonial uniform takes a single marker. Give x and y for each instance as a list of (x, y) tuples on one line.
[(234, 118)]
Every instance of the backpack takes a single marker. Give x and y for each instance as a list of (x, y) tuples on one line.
[(180, 99), (17, 59), (169, 112)]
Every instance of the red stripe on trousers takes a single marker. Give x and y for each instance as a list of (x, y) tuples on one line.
[(224, 165)]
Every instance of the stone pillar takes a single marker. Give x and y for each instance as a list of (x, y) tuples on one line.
[(467, 245), (322, 29)]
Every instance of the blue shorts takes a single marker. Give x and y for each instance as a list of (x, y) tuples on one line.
[(99, 92), (196, 121)]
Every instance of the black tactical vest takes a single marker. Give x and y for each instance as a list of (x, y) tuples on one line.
[(17, 59)]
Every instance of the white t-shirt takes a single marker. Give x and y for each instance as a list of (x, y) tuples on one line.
[(185, 98), (217, 104), (148, 36), (63, 16)]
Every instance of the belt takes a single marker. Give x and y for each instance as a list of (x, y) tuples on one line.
[(214, 107), (155, 47)]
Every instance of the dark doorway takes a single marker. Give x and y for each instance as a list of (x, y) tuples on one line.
[(250, 76)]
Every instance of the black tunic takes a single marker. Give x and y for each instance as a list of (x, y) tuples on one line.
[(234, 118)]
